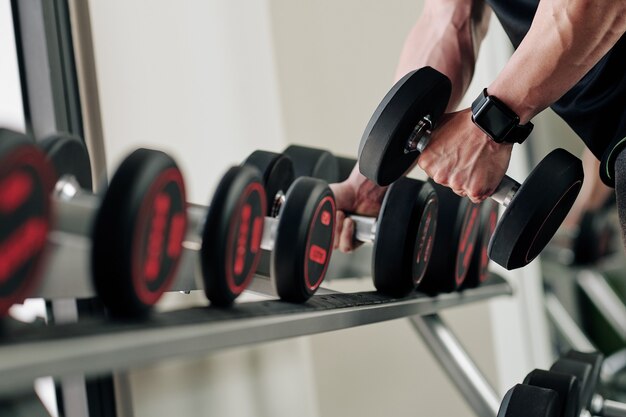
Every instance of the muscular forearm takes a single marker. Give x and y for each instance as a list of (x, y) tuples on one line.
[(446, 37), (566, 39)]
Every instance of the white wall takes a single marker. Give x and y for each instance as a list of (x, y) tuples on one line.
[(198, 81)]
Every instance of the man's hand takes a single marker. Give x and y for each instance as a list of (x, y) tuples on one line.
[(462, 157), (356, 195)]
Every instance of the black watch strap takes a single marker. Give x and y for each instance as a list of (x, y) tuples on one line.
[(486, 104)]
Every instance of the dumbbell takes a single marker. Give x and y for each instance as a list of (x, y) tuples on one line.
[(402, 233), (320, 163), (313, 162), (135, 229), (592, 240), (400, 129), (297, 227), (478, 270), (26, 182), (530, 401), (565, 385), (346, 165), (586, 367), (300, 227), (454, 242)]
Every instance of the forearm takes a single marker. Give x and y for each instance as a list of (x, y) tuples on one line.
[(446, 37), (566, 39)]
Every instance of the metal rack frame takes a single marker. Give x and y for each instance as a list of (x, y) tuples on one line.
[(101, 345)]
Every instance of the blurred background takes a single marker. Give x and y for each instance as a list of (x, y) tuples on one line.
[(209, 81)]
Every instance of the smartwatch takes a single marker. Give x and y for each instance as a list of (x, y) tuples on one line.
[(498, 121)]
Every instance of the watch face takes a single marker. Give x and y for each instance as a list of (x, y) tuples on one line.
[(495, 119)]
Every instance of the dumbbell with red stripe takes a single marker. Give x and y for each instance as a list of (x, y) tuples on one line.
[(227, 237), (129, 237), (402, 233)]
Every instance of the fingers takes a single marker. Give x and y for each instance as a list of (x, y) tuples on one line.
[(344, 233), (339, 218), (346, 242)]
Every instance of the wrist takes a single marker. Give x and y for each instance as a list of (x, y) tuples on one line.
[(501, 123)]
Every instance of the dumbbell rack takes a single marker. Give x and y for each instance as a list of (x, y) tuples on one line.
[(96, 346)]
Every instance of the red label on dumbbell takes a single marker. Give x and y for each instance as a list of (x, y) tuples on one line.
[(26, 181), (319, 243), (425, 239), (488, 230), (244, 238), (159, 232), (467, 242)]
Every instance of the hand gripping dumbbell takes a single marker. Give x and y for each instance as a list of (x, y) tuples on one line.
[(26, 182), (402, 233), (457, 235), (399, 130), (134, 229)]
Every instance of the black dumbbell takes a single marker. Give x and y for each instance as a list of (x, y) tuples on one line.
[(478, 271), (226, 238), (346, 165), (297, 266), (529, 401), (402, 233), (26, 182), (454, 243), (565, 385), (313, 162), (399, 131), (595, 360), (583, 373), (592, 240), (135, 228)]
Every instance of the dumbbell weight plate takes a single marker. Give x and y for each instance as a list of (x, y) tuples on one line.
[(583, 373), (537, 210), (595, 359), (26, 182), (478, 271), (566, 386), (346, 165), (529, 401), (382, 157), (232, 234), (312, 162), (277, 172), (595, 234), (304, 239), (138, 233), (69, 156), (457, 230), (406, 227)]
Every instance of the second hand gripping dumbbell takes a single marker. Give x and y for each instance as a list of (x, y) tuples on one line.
[(402, 233), (399, 131), (132, 232)]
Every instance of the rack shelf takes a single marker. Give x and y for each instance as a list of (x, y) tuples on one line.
[(99, 345)]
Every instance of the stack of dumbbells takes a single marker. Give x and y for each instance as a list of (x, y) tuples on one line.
[(135, 234), (568, 389)]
